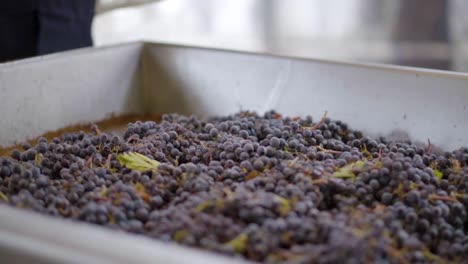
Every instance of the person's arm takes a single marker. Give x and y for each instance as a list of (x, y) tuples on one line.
[(108, 5)]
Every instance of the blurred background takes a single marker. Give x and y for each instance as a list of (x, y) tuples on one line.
[(423, 33)]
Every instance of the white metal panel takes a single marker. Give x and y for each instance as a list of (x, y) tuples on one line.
[(26, 236), (46, 93), (380, 100)]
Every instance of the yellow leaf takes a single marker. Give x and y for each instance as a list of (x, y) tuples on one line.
[(238, 243), (286, 237), (429, 255), (275, 257), (366, 152), (3, 196), (378, 164), (141, 191), (111, 218), (38, 159), (359, 164), (399, 189), (456, 167), (180, 235), (347, 172), (202, 206), (104, 191), (251, 175), (284, 206), (438, 174), (458, 195), (219, 203), (136, 161)]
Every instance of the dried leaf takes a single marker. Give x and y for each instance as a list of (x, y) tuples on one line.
[(111, 218), (458, 195), (218, 203), (103, 191), (38, 158), (345, 173), (293, 162), (136, 161), (456, 167), (284, 206), (141, 191), (238, 243), (251, 175), (3, 196), (202, 206), (286, 237), (180, 235), (399, 189)]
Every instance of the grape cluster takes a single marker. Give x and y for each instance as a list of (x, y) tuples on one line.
[(267, 188)]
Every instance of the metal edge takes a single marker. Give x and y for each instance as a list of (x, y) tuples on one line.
[(27, 234), (143, 43), (59, 55), (380, 66)]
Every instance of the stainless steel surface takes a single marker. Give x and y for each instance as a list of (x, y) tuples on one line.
[(27, 237), (381, 100), (86, 85), (47, 93)]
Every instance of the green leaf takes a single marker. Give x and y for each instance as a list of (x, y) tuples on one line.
[(359, 164), (136, 161), (347, 172), (238, 243), (344, 173), (438, 174)]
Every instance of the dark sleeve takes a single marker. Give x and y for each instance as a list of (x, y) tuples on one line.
[(64, 25), (18, 29)]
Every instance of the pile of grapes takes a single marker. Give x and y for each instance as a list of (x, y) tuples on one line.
[(266, 188)]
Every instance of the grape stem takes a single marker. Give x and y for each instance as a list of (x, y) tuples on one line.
[(442, 198), (95, 129), (133, 137), (89, 162), (322, 120), (429, 147), (331, 151)]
